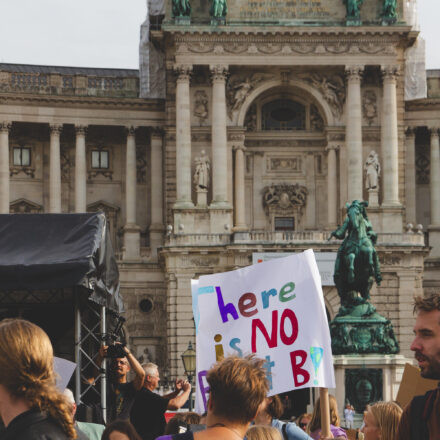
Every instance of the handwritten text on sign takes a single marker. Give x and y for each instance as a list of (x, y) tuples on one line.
[(274, 309)]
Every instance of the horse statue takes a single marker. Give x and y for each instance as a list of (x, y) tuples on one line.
[(357, 264)]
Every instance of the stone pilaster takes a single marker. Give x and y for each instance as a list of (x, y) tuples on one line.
[(156, 191), (434, 183), (311, 188), (239, 185), (131, 229), (80, 169), (389, 138), (410, 175), (55, 169), (4, 167), (332, 186), (183, 138), (353, 136), (219, 139)]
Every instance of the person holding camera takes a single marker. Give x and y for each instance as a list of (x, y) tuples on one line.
[(121, 391), (148, 412)]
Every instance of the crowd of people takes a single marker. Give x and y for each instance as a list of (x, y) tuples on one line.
[(33, 408)]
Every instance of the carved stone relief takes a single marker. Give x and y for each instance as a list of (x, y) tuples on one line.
[(422, 168), (287, 164), (316, 121), (201, 105), (141, 163), (369, 106), (284, 196), (332, 89), (250, 122), (66, 163), (23, 206), (239, 88)]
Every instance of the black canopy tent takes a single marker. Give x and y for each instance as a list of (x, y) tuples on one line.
[(65, 260)]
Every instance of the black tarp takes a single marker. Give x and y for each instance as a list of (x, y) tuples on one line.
[(59, 251)]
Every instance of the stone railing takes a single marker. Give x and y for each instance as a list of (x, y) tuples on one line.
[(70, 84), (283, 238)]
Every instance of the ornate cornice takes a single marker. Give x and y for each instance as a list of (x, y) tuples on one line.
[(82, 101)]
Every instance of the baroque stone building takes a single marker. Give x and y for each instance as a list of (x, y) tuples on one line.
[(240, 138)]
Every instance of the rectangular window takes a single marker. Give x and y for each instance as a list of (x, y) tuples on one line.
[(100, 159), (284, 223), (22, 156)]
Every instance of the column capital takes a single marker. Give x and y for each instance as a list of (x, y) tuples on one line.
[(156, 132), (434, 131), (410, 131), (354, 72), (240, 147), (81, 130), (332, 147), (5, 126), (183, 71), (390, 72), (56, 129), (218, 72), (130, 130)]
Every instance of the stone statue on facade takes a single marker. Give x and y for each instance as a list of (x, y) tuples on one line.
[(358, 328), (201, 105), (241, 92), (372, 169), (201, 177), (181, 8), (219, 9), (389, 13)]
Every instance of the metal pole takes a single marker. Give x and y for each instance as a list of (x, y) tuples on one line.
[(77, 348), (103, 367)]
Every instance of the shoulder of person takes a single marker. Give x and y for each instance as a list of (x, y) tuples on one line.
[(294, 432)]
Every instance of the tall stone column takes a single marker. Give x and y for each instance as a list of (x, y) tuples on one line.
[(219, 139), (4, 167), (389, 138), (435, 177), (156, 191), (353, 132), (410, 175), (239, 186), (183, 139), (131, 230), (80, 169), (55, 169), (332, 186)]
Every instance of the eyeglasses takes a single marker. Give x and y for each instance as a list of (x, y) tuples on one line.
[(303, 425)]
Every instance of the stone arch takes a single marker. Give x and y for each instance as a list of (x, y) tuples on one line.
[(298, 84), (331, 300)]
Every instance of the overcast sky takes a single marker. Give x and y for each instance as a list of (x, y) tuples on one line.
[(105, 33)]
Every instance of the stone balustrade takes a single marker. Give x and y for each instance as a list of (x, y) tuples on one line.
[(117, 84)]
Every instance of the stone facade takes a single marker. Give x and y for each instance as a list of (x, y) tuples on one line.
[(287, 115)]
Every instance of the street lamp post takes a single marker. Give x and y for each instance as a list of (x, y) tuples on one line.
[(189, 364)]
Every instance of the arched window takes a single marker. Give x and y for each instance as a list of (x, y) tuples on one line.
[(283, 114)]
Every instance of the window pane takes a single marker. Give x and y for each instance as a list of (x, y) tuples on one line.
[(17, 156), (95, 159), (284, 223), (283, 114), (104, 159), (25, 157)]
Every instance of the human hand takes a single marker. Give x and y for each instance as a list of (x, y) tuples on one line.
[(178, 384), (186, 386)]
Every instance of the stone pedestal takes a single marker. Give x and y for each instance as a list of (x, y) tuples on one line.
[(202, 198), (220, 221), (131, 249), (373, 198), (392, 367), (392, 219)]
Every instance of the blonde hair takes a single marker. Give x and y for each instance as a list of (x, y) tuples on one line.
[(315, 423), (263, 432), (387, 416), (26, 365)]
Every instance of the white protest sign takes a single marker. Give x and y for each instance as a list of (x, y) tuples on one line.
[(64, 370), (274, 309)]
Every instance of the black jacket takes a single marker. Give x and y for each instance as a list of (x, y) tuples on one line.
[(33, 425)]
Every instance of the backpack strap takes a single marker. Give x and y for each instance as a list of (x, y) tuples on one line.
[(284, 431), (421, 408)]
